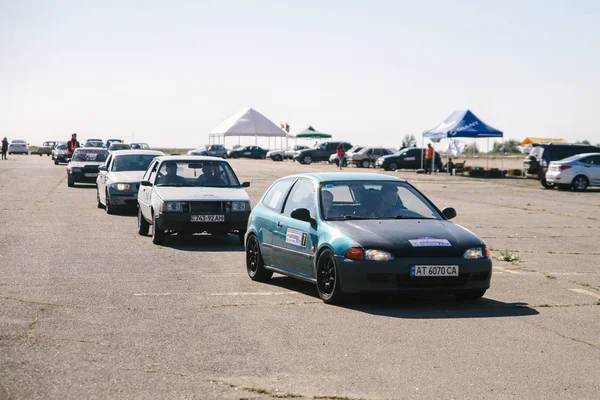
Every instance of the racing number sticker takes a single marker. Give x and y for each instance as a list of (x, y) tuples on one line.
[(295, 237)]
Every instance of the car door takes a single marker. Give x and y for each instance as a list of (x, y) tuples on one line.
[(592, 169), (292, 239), (246, 152), (102, 177), (145, 192)]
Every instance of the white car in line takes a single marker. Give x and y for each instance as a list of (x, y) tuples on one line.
[(119, 178), (192, 194), (18, 147), (576, 172)]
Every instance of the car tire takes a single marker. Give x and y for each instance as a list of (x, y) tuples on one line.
[(473, 294), (110, 209), (158, 235), (278, 158), (365, 163), (40, 154), (255, 266), (98, 202), (70, 182), (224, 156), (328, 279), (545, 184), (393, 166), (263, 156), (143, 225), (234, 156), (55, 161), (580, 183), (307, 160)]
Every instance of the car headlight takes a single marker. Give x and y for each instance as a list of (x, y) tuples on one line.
[(476, 253), (378, 255), (171, 206), (238, 206), (122, 186)]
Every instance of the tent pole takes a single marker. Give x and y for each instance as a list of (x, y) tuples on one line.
[(502, 159), (422, 144), (487, 165)]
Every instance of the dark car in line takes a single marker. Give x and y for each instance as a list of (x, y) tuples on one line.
[(248, 152), (410, 158), (83, 167), (320, 153), (539, 158)]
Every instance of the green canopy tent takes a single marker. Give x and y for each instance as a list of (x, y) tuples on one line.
[(312, 133)]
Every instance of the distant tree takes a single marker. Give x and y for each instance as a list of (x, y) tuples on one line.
[(585, 141), (408, 141), (510, 146), (471, 149)]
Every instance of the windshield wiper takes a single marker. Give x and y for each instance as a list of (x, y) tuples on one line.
[(345, 217), (175, 184)]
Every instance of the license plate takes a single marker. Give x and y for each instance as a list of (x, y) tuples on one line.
[(91, 174), (208, 218), (434, 270)]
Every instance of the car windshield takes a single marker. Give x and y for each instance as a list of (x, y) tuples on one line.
[(196, 173), (61, 147), (142, 146), (346, 200), (90, 155), (132, 162)]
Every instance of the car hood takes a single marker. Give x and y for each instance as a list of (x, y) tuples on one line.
[(169, 193), (126, 176), (82, 164), (395, 236)]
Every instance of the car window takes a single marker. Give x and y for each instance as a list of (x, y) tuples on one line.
[(132, 162), (302, 195), (108, 161), (276, 195), (594, 160), (193, 173), (82, 155)]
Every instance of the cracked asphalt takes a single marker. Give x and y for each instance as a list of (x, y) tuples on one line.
[(89, 309)]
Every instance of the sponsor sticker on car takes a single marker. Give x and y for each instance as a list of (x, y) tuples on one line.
[(295, 237), (429, 242)]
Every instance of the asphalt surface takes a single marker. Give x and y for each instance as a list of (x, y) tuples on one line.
[(89, 309)]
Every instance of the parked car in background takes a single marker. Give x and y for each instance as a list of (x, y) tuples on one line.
[(18, 147), (334, 159), (248, 152), (192, 194), (118, 146), (367, 156), (119, 178), (409, 158), (46, 148), (276, 155), (214, 150), (111, 141), (577, 172), (290, 152), (358, 232), (83, 167), (536, 163), (94, 143), (59, 153), (139, 146), (319, 153)]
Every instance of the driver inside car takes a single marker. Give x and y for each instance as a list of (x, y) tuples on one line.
[(171, 176), (391, 205), (209, 176)]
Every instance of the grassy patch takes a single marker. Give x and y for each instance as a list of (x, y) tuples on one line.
[(551, 277), (507, 255)]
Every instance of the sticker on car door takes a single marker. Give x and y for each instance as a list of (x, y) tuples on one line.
[(295, 237)]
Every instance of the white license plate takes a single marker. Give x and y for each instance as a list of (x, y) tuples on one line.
[(434, 270), (208, 218), (91, 174)]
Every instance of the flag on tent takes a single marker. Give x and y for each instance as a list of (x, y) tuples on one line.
[(456, 147)]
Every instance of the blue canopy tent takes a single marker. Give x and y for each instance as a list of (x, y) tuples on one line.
[(462, 124)]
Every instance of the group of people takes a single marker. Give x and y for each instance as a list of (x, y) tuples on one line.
[(4, 148)]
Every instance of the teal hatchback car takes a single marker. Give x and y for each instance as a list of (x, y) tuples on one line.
[(360, 233)]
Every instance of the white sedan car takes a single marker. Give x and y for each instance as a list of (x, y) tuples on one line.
[(18, 147), (576, 172), (192, 194), (119, 178)]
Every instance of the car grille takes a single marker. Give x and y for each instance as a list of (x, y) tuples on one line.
[(407, 282), (90, 168), (206, 206)]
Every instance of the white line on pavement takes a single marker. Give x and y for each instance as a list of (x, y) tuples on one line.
[(582, 291)]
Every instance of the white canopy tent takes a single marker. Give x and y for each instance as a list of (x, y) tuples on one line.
[(246, 122)]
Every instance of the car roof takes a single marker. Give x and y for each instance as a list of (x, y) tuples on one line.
[(90, 148), (137, 152), (347, 176), (587, 154), (190, 157)]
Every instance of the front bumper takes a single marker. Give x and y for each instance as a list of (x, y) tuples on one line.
[(120, 198), (79, 177), (362, 276), (61, 158), (180, 221)]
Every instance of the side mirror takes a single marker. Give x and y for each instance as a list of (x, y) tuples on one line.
[(145, 183), (301, 214), (449, 212), (245, 184), (102, 168)]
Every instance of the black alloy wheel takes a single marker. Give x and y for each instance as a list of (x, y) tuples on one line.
[(328, 280), (580, 183), (471, 295), (110, 209), (158, 235), (143, 225), (255, 266), (277, 158)]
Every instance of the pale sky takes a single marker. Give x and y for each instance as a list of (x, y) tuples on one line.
[(167, 72)]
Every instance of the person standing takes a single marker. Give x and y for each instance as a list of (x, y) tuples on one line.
[(72, 145), (429, 157), (4, 148), (341, 154)]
